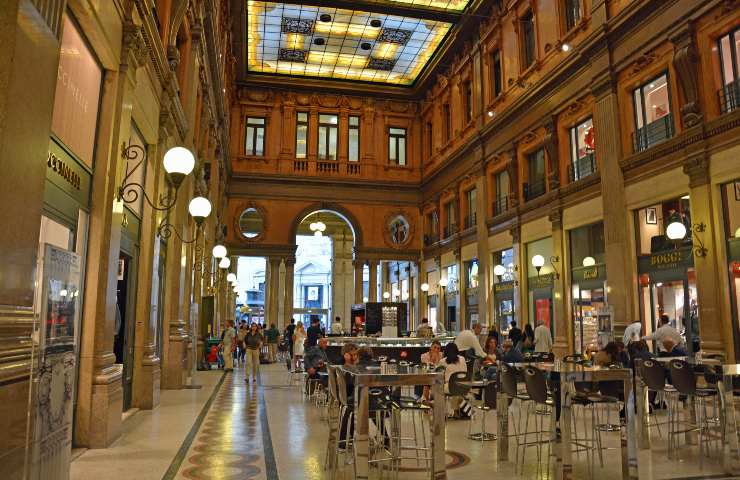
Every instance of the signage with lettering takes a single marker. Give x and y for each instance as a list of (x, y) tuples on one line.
[(503, 287), (541, 281), (678, 259), (65, 172), (585, 274)]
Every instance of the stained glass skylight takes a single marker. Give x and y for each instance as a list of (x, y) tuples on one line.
[(327, 42)]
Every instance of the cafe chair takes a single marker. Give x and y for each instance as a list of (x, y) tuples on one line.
[(536, 384), (684, 381), (653, 375), (455, 389), (332, 419), (346, 418), (487, 404), (507, 377)]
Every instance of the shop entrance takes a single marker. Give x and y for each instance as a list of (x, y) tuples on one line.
[(503, 304), (451, 318), (123, 340), (588, 299), (542, 307)]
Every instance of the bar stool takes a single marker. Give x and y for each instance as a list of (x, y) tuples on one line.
[(346, 418), (653, 375), (418, 413), (332, 419), (488, 403), (455, 388), (536, 384), (508, 383)]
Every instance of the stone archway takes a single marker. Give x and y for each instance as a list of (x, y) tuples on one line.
[(333, 208)]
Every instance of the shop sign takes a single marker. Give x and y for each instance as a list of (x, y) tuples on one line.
[(503, 287), (585, 274), (668, 260), (64, 171), (541, 281)]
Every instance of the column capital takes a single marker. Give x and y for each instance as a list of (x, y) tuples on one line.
[(697, 169), (556, 218), (289, 261)]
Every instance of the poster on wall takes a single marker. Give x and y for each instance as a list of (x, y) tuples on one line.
[(60, 312), (542, 313)]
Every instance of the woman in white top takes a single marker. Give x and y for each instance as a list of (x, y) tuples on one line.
[(453, 363), (299, 337)]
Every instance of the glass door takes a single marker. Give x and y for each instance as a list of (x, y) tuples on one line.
[(588, 299), (676, 298), (504, 305), (541, 307)]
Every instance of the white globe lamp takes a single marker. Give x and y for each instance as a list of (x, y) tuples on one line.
[(224, 263), (199, 208), (589, 262), (675, 231), (178, 163), (219, 251)]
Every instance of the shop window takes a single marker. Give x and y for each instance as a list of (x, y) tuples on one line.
[(432, 228), (447, 118), (535, 186), (503, 288), (496, 73), (582, 161), (471, 276), (653, 118), (527, 42), (729, 51), (731, 204), (353, 140), (452, 279), (652, 223), (572, 10), (501, 201), (468, 101), (328, 137), (301, 135), (470, 202), (255, 138), (450, 225), (397, 146)]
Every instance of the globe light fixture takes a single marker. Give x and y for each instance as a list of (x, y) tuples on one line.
[(224, 263), (443, 282), (313, 226), (219, 251), (321, 226), (231, 277), (565, 47), (424, 287), (317, 233), (396, 292), (675, 231), (499, 270), (737, 233), (589, 262), (236, 288), (538, 261), (199, 208), (365, 299), (386, 295), (178, 163)]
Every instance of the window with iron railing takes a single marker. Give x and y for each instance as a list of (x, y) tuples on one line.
[(301, 135), (572, 12), (653, 116), (471, 220), (471, 199), (353, 140), (729, 93), (527, 42), (500, 205), (255, 137), (581, 151), (496, 73), (450, 225), (501, 201), (447, 117), (535, 186), (468, 101), (328, 130)]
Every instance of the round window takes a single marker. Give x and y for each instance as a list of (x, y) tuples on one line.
[(399, 229), (251, 223)]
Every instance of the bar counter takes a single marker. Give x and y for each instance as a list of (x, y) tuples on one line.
[(409, 349)]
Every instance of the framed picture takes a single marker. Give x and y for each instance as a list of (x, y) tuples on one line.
[(651, 215), (737, 190)]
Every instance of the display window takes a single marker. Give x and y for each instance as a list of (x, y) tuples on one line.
[(588, 285), (665, 265), (540, 283), (504, 284)]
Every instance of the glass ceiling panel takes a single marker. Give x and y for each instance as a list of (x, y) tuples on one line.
[(312, 41), (455, 5)]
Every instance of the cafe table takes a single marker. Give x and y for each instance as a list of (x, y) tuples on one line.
[(569, 374), (368, 377)]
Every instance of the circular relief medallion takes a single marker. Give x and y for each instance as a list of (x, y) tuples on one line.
[(399, 230), (251, 223)]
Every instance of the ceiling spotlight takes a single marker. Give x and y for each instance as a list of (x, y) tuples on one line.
[(319, 41), (365, 46), (325, 17), (375, 23), (565, 47)]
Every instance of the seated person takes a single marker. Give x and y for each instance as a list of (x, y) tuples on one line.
[(424, 330), (609, 355), (350, 355), (434, 355), (452, 362), (672, 349), (492, 350), (510, 354), (315, 360)]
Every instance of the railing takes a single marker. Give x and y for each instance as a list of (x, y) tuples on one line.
[(470, 221), (450, 230), (500, 205), (653, 133), (431, 239), (353, 168), (534, 189), (327, 167), (300, 165), (583, 167), (729, 96)]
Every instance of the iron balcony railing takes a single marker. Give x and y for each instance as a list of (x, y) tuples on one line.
[(581, 168), (450, 230), (500, 205), (653, 133), (729, 96), (470, 221), (535, 188)]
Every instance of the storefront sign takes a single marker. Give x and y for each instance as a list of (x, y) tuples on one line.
[(503, 287), (65, 172), (541, 281), (668, 260), (585, 274)]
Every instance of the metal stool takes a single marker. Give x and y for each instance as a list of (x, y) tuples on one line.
[(488, 403)]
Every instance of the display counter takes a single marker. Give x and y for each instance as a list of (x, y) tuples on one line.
[(408, 349)]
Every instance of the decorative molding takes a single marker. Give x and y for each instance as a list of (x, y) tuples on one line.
[(697, 169), (642, 62), (686, 63), (239, 210)]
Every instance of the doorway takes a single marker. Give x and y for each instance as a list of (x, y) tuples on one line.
[(124, 329), (588, 299), (541, 304), (673, 295), (504, 305)]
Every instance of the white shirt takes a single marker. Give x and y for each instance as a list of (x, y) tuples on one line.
[(632, 333), (466, 340), (542, 339), (451, 368), (229, 335), (666, 331), (336, 327)]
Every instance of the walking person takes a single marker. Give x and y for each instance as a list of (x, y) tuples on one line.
[(542, 338), (289, 331), (228, 345), (240, 334), (299, 339), (253, 340), (271, 335)]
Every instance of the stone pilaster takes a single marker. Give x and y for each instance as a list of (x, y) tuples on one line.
[(289, 286), (563, 338), (485, 313), (274, 286), (373, 281)]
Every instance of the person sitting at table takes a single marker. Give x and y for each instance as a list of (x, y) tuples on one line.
[(510, 354), (315, 360), (453, 362), (349, 358), (492, 350), (609, 355), (434, 355), (424, 330), (671, 349)]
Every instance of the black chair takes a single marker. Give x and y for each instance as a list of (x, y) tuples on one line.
[(487, 404), (536, 384)]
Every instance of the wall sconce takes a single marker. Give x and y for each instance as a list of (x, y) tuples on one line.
[(676, 231), (386, 295), (538, 261), (199, 208), (178, 163), (425, 287), (589, 262)]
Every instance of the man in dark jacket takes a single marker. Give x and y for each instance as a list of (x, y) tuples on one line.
[(515, 334)]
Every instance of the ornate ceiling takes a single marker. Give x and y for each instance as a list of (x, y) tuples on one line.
[(387, 42)]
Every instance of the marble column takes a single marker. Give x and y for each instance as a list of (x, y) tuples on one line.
[(715, 330), (384, 282), (562, 340), (288, 299), (272, 313), (521, 292), (373, 282), (485, 304)]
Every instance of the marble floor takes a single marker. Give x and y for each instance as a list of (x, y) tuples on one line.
[(233, 430)]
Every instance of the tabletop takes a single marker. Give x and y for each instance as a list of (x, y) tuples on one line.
[(370, 376)]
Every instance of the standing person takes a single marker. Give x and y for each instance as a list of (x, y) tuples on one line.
[(314, 332), (632, 333), (271, 335), (253, 341), (424, 330), (289, 330), (299, 338), (515, 334), (528, 338), (468, 344), (240, 334), (542, 338), (336, 327), (228, 344)]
